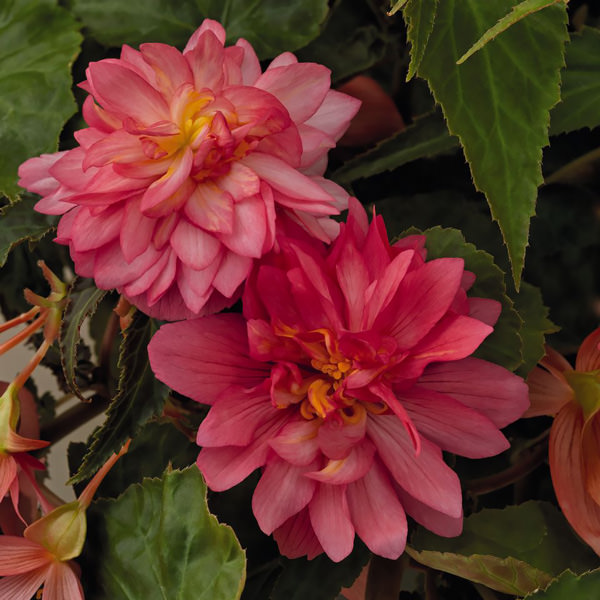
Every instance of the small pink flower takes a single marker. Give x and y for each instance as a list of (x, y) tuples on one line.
[(188, 162), (345, 379), (573, 397), (44, 555)]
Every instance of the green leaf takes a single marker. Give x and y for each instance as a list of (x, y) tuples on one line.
[(483, 102), (350, 42), (425, 138), (139, 398), (503, 345), (419, 16), (397, 6), (569, 585), (159, 541), (536, 325), (513, 550), (580, 90), (319, 578), (83, 300), (518, 12), (270, 26), (38, 43), (19, 222)]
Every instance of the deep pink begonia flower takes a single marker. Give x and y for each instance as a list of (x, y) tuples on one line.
[(572, 396), (347, 376), (188, 161)]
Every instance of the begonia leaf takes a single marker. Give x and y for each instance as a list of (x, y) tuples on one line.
[(580, 89), (484, 102), (270, 26), (518, 12), (83, 300), (503, 345), (536, 325), (513, 550), (319, 578), (570, 585), (158, 540), (419, 16), (20, 223), (425, 138), (350, 42), (164, 443), (139, 398), (38, 44)]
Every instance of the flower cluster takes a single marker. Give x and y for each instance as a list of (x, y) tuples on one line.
[(350, 371), (346, 377)]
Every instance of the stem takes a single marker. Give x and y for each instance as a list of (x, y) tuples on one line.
[(23, 376), (74, 418), (23, 334), (578, 170), (385, 577), (22, 318), (485, 485)]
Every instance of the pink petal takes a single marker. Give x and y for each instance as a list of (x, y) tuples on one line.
[(422, 300), (377, 514), (62, 583), (281, 492), (300, 87), (590, 448), (204, 53), (296, 537), (485, 309), (588, 356), (136, 230), (155, 201), (122, 91), (224, 467), (336, 439), (436, 521), (233, 271), (289, 181), (297, 442), (170, 67), (250, 66), (248, 235), (215, 27), (425, 476), (353, 279), (210, 208), (8, 473), (92, 231), (35, 173), (194, 247), (567, 470), (163, 280), (20, 555), (195, 286), (452, 426), (349, 469), (200, 358), (23, 586), (334, 114), (330, 518), (234, 418), (548, 393), (488, 388)]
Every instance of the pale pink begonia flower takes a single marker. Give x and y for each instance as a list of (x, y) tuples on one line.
[(43, 556), (572, 396), (347, 376), (188, 162)]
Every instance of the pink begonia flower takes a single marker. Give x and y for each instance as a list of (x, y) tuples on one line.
[(14, 448), (347, 376), (573, 397), (188, 162), (44, 555)]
